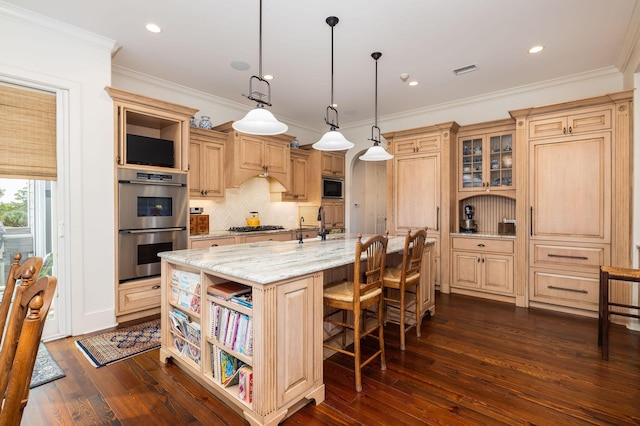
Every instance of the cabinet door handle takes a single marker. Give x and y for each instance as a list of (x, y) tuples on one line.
[(437, 218), (531, 221), (214, 245), (478, 260), (570, 129), (567, 256), (155, 287), (480, 245), (564, 130), (553, 287)]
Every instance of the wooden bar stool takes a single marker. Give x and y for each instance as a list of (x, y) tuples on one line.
[(354, 298), (403, 281), (612, 273)]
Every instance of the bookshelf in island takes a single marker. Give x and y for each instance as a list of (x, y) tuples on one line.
[(246, 320)]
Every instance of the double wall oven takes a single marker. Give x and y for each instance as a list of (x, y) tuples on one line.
[(152, 218)]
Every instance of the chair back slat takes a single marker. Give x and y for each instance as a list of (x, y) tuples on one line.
[(376, 251), (23, 332), (413, 251)]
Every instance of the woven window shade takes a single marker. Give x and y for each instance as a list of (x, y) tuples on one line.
[(27, 133)]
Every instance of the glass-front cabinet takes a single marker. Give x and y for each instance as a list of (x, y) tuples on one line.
[(485, 162)]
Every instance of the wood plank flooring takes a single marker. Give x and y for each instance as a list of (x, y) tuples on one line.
[(477, 362)]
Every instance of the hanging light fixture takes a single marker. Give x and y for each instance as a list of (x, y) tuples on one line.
[(332, 140), (377, 151), (260, 121)]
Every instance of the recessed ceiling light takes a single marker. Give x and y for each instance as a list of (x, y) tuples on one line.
[(413, 83), (267, 77), (154, 28), (536, 49)]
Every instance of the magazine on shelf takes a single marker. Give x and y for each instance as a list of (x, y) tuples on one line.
[(245, 383), (228, 289), (229, 369), (243, 300)]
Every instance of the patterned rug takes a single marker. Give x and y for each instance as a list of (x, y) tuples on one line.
[(46, 369), (113, 346)]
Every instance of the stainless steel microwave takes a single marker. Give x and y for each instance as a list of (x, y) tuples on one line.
[(332, 188)]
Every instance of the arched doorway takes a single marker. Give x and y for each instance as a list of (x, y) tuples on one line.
[(368, 196)]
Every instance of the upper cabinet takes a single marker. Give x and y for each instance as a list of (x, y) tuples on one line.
[(333, 164), (150, 133), (300, 182), (590, 120), (249, 156), (485, 159), (206, 164)]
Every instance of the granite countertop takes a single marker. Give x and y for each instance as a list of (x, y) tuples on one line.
[(270, 261), (224, 233)]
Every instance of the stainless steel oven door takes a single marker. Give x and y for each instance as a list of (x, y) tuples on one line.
[(138, 251), (148, 202)]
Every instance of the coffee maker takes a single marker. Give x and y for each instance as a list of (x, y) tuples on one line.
[(469, 224)]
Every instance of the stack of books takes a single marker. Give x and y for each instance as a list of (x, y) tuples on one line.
[(231, 328)]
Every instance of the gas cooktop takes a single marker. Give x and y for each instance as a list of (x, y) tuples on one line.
[(255, 228)]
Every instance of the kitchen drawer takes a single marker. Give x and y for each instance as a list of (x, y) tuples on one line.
[(578, 290), (212, 242), (483, 245), (276, 236), (587, 256), (138, 296)]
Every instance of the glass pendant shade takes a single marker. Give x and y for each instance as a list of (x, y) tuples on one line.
[(376, 153), (260, 121), (332, 141)]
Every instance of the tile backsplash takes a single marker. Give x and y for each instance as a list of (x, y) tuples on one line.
[(253, 195)]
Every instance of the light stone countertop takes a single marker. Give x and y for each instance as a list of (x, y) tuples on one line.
[(270, 261)]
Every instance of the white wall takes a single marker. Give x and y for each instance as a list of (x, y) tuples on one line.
[(40, 51)]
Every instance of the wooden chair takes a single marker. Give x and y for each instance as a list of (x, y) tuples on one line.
[(355, 297), (22, 335), (612, 273), (16, 270), (404, 280)]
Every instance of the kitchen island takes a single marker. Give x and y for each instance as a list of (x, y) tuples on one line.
[(283, 358)]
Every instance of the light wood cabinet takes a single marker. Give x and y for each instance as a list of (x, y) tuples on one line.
[(195, 243), (140, 115), (138, 296), (153, 118), (282, 351), (254, 238), (484, 266), (248, 156), (334, 213), (299, 187), (577, 168), (419, 184), (333, 164), (206, 164), (485, 159)]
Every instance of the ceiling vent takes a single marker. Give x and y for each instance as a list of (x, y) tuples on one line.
[(465, 70)]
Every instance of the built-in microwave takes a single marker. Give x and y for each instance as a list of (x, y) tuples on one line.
[(332, 188)]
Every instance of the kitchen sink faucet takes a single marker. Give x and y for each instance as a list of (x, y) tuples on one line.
[(300, 237), (322, 233)]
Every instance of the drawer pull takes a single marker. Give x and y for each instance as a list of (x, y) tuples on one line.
[(553, 287), (566, 256), (480, 245), (155, 287)]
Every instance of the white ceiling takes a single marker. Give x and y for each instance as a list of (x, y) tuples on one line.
[(424, 38)]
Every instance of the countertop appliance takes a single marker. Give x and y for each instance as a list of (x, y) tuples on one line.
[(469, 224)]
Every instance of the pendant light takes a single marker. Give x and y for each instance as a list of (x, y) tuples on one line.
[(260, 121), (377, 151), (332, 140)]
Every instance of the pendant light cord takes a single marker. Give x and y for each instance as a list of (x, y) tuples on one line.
[(332, 65), (260, 45)]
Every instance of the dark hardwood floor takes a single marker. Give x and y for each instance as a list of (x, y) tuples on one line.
[(477, 362)]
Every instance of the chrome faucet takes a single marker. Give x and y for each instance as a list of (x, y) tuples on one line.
[(322, 233), (300, 237)]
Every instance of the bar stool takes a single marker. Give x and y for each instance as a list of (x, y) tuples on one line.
[(354, 297), (405, 280), (612, 273)]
